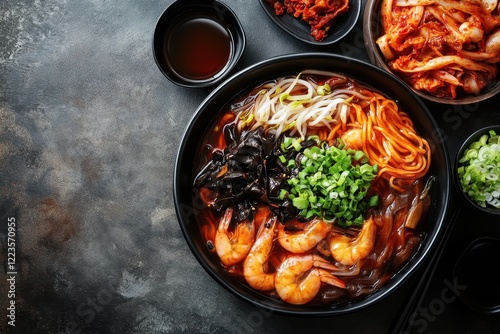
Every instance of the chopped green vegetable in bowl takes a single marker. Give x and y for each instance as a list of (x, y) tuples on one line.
[(478, 169), (330, 182)]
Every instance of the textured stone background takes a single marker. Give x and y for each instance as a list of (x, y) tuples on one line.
[(89, 129)]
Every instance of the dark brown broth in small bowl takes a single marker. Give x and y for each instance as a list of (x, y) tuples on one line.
[(198, 48), (197, 43)]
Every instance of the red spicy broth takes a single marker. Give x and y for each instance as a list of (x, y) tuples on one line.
[(394, 244)]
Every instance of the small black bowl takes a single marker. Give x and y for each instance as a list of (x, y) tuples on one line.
[(478, 296), (472, 138), (196, 43)]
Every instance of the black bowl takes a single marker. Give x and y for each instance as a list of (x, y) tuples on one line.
[(252, 77), (478, 296), (302, 31), (472, 138), (218, 17)]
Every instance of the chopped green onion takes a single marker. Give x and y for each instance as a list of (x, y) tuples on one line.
[(479, 170), (300, 203), (296, 144), (331, 183), (283, 194)]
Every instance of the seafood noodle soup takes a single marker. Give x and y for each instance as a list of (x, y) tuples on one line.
[(314, 188)]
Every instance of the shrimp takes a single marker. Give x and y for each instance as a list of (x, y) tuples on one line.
[(305, 238), (298, 278), (349, 251), (233, 247), (255, 265)]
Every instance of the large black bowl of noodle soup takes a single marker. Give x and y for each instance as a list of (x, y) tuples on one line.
[(190, 208)]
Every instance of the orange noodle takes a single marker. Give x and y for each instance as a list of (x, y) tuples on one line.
[(389, 140), (301, 105)]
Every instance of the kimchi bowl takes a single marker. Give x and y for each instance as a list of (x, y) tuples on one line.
[(445, 51), (233, 206)]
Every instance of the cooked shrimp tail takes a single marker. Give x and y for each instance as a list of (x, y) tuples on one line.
[(233, 247), (349, 251), (298, 278), (256, 263), (306, 238)]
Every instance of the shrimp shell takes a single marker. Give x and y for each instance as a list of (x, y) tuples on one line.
[(298, 278), (349, 251), (255, 265), (233, 247), (306, 239)]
